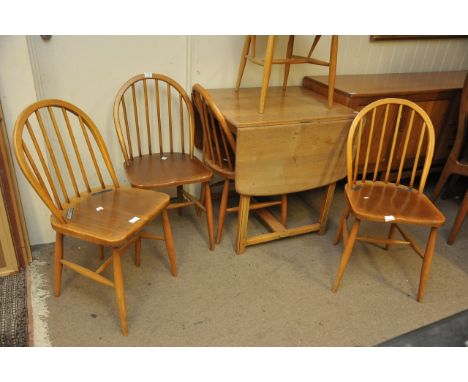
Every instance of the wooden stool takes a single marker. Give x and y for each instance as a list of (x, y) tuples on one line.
[(291, 58)]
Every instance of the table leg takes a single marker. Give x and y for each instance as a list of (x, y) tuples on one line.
[(242, 222)]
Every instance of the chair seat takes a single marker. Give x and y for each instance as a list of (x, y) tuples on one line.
[(111, 226), (375, 201), (151, 171)]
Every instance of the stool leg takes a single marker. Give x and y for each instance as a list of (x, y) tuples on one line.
[(289, 52), (243, 61), (332, 70), (266, 71)]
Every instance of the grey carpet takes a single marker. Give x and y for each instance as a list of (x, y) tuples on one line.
[(276, 294), (13, 310)]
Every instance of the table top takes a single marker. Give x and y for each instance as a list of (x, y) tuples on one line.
[(296, 105), (398, 83)]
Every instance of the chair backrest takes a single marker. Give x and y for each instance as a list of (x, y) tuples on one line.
[(52, 138), (151, 100), (390, 134), (219, 145), (462, 129)]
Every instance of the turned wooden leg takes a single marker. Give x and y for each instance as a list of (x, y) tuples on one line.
[(119, 290), (138, 252), (459, 220), (243, 61), (209, 215), (341, 224), (101, 252), (168, 238), (284, 209), (242, 222), (325, 210), (180, 198), (58, 263), (427, 261), (289, 52), (266, 71), (332, 70), (222, 210), (346, 254), (202, 198), (390, 234), (446, 172)]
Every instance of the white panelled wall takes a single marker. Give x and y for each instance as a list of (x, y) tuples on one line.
[(88, 71)]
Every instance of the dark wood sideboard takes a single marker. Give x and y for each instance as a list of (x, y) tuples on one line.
[(437, 93)]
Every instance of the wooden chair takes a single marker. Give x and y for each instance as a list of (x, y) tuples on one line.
[(457, 163), (368, 198), (155, 158), (268, 61), (219, 150), (79, 186)]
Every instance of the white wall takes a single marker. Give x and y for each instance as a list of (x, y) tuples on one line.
[(17, 91), (88, 70)]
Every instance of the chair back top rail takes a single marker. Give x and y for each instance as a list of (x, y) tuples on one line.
[(153, 114), (62, 154), (402, 131)]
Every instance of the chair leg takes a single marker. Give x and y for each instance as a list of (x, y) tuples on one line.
[(339, 232), (138, 252), (325, 209), (284, 209), (332, 70), (289, 53), (427, 261), (266, 71), (222, 210), (346, 254), (209, 215), (101, 252), (169, 242), (242, 223), (202, 198), (446, 172), (243, 61), (448, 192), (119, 289), (180, 197), (58, 264), (459, 220), (390, 234)]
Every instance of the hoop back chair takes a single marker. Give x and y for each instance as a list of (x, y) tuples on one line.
[(371, 196), (219, 150), (159, 152), (457, 163), (249, 53), (63, 156)]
